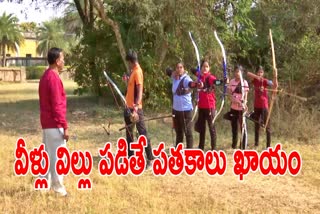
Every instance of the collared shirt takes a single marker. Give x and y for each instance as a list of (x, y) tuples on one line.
[(52, 99), (135, 79), (182, 102)]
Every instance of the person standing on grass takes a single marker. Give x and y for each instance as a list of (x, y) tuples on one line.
[(182, 104), (261, 103), (207, 105), (134, 113), (53, 108), (235, 115)]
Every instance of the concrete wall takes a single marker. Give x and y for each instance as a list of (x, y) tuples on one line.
[(18, 74), (14, 74)]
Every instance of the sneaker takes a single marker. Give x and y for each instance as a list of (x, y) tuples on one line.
[(59, 189)]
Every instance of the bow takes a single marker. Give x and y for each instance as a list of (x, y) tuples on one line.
[(225, 75), (275, 77), (198, 74), (125, 104), (119, 93), (243, 143), (279, 90), (116, 88)]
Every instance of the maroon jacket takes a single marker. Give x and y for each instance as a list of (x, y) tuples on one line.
[(53, 102)]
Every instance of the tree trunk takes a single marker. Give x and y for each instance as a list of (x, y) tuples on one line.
[(162, 53), (81, 12), (3, 64), (86, 14), (115, 27)]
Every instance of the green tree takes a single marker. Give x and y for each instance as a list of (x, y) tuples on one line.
[(28, 27), (51, 34), (296, 33), (10, 34)]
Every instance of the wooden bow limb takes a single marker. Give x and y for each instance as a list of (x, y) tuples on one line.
[(275, 79)]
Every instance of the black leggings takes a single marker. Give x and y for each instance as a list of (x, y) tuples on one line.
[(261, 114), (236, 118), (183, 125), (200, 126)]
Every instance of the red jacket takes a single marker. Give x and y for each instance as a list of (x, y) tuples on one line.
[(207, 100), (260, 94), (53, 102)]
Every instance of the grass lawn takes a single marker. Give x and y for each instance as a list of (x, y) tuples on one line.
[(200, 193)]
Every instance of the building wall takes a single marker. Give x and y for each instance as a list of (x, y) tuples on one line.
[(29, 46)]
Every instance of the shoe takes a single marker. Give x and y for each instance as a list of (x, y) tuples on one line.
[(59, 189)]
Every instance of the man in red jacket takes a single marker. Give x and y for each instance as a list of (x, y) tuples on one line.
[(53, 108)]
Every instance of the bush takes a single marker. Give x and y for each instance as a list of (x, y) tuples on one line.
[(35, 72)]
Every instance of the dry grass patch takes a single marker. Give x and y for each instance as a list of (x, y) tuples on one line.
[(200, 193)]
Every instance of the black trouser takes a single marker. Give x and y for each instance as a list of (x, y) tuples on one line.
[(203, 116), (183, 125), (141, 130), (236, 118), (261, 114)]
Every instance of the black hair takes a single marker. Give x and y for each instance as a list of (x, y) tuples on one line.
[(238, 67), (132, 56), (169, 71), (260, 68), (180, 62), (53, 55), (203, 61)]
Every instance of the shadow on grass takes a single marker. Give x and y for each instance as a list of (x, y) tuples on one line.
[(13, 92), (23, 117)]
